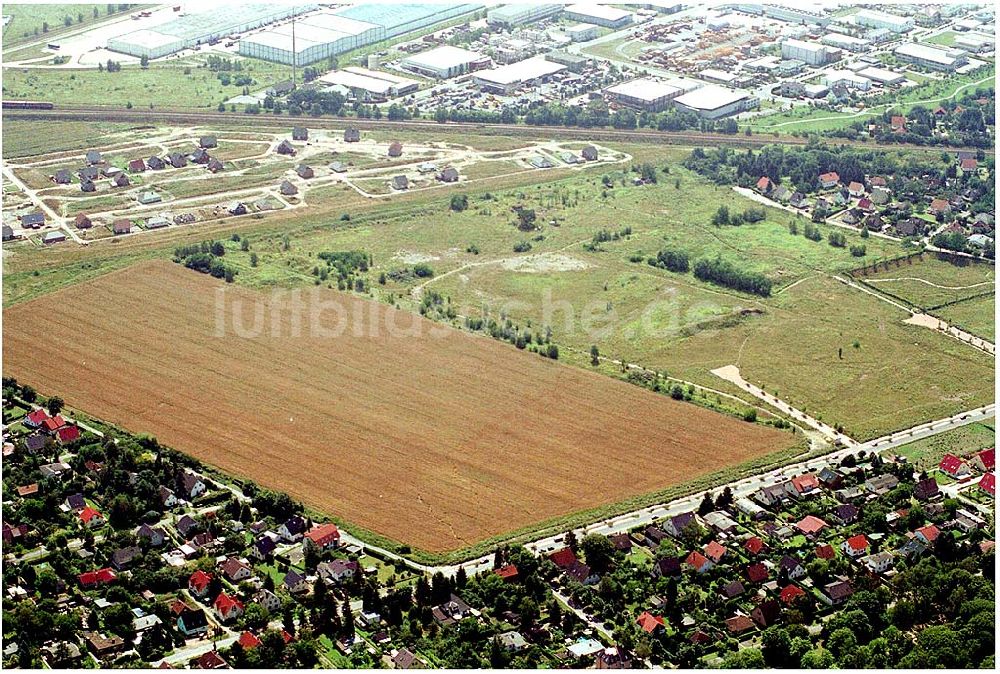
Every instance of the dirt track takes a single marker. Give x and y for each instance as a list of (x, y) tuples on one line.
[(436, 441)]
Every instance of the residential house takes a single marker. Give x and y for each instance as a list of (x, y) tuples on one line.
[(53, 237), (866, 204), (186, 526), (754, 545), (191, 485), (395, 149), (263, 548), (121, 226), (177, 160), (451, 612), (589, 153), (34, 220), (781, 194), (829, 179), (799, 200), (988, 484), (91, 519), (449, 175), (846, 513), (837, 592), (720, 522), (121, 180), (199, 582), (508, 573), (210, 660), (167, 498), (337, 571), (237, 208), (82, 221), (89, 173), (811, 526), (285, 148), (856, 189), (292, 529), (214, 165), (200, 156), (8, 233), (882, 484), (192, 622), (406, 659), (92, 579), (715, 551), (954, 466), (400, 182), (855, 546), (897, 123), (323, 537), (912, 549), (235, 570), (56, 470), (766, 613), (621, 542), (775, 493), (792, 567), (300, 133), (152, 535), (287, 189), (699, 562), (75, 502), (122, 558), (939, 207), (208, 142), (667, 567), (62, 177), (227, 608), (806, 484), (102, 645), (675, 525), (764, 185), (967, 521), (352, 135), (791, 594), (749, 508), (304, 171), (739, 624), (757, 572), (94, 157), (732, 590), (294, 583), (879, 562), (649, 623), (137, 165), (87, 186), (926, 490), (155, 163), (268, 600)]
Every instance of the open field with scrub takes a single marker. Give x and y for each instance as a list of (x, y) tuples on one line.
[(932, 280), (976, 315), (386, 423), (962, 441), (35, 21)]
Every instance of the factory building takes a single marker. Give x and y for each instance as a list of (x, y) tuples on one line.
[(582, 32), (574, 62), (934, 58), (370, 85), (847, 79), (713, 102), (510, 16), (812, 53), (507, 79), (601, 15), (198, 27), (643, 94), (893, 22), (444, 62), (782, 13), (845, 42), (329, 33), (882, 76), (975, 42)]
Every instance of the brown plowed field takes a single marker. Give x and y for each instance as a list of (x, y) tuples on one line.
[(439, 440)]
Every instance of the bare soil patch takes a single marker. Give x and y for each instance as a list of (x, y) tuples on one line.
[(438, 439)]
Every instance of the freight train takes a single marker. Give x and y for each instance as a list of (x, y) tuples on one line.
[(27, 105)]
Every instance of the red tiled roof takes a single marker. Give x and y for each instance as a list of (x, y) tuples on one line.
[(989, 484), (38, 416), (764, 183), (649, 622), (68, 433), (564, 558), (199, 580), (100, 576), (807, 482), (738, 624), (754, 544), (696, 559), (508, 572), (790, 593), (323, 534), (825, 551), (757, 573), (715, 551), (988, 457), (224, 603), (930, 532), (951, 464), (858, 543), (832, 176), (88, 514), (969, 164), (52, 423), (811, 524), (248, 641), (939, 204)]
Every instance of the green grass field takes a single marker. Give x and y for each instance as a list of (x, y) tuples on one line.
[(21, 138), (932, 280), (37, 21), (977, 315), (174, 86), (964, 440), (946, 38)]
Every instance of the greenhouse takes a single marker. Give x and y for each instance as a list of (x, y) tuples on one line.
[(200, 27)]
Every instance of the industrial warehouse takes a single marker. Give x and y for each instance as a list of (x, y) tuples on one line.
[(318, 36), (444, 62)]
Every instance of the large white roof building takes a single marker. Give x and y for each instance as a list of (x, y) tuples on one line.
[(506, 79), (712, 102), (442, 62), (644, 93)]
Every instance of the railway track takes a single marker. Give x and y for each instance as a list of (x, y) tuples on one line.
[(94, 113)]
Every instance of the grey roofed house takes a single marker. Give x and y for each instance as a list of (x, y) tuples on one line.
[(338, 167), (405, 659), (676, 524), (87, 186), (912, 548), (121, 226), (121, 559), (94, 157), (121, 180), (35, 442), (288, 189), (733, 589), (396, 149), (214, 165), (237, 208), (186, 525), (157, 222), (110, 171), (838, 592), (400, 183), (76, 502), (281, 88), (538, 161), (208, 141), (882, 484), (149, 197), (719, 521), (449, 175), (200, 156), (154, 535), (304, 171), (89, 173), (849, 218), (285, 148), (8, 233), (155, 162), (63, 177), (34, 220), (846, 513), (177, 160), (910, 226), (799, 200), (352, 135), (300, 133), (781, 193), (589, 153), (513, 641), (53, 237)]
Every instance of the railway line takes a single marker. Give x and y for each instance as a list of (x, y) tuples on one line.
[(187, 117)]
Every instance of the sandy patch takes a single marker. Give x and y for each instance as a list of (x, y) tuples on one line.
[(410, 257), (545, 262)]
